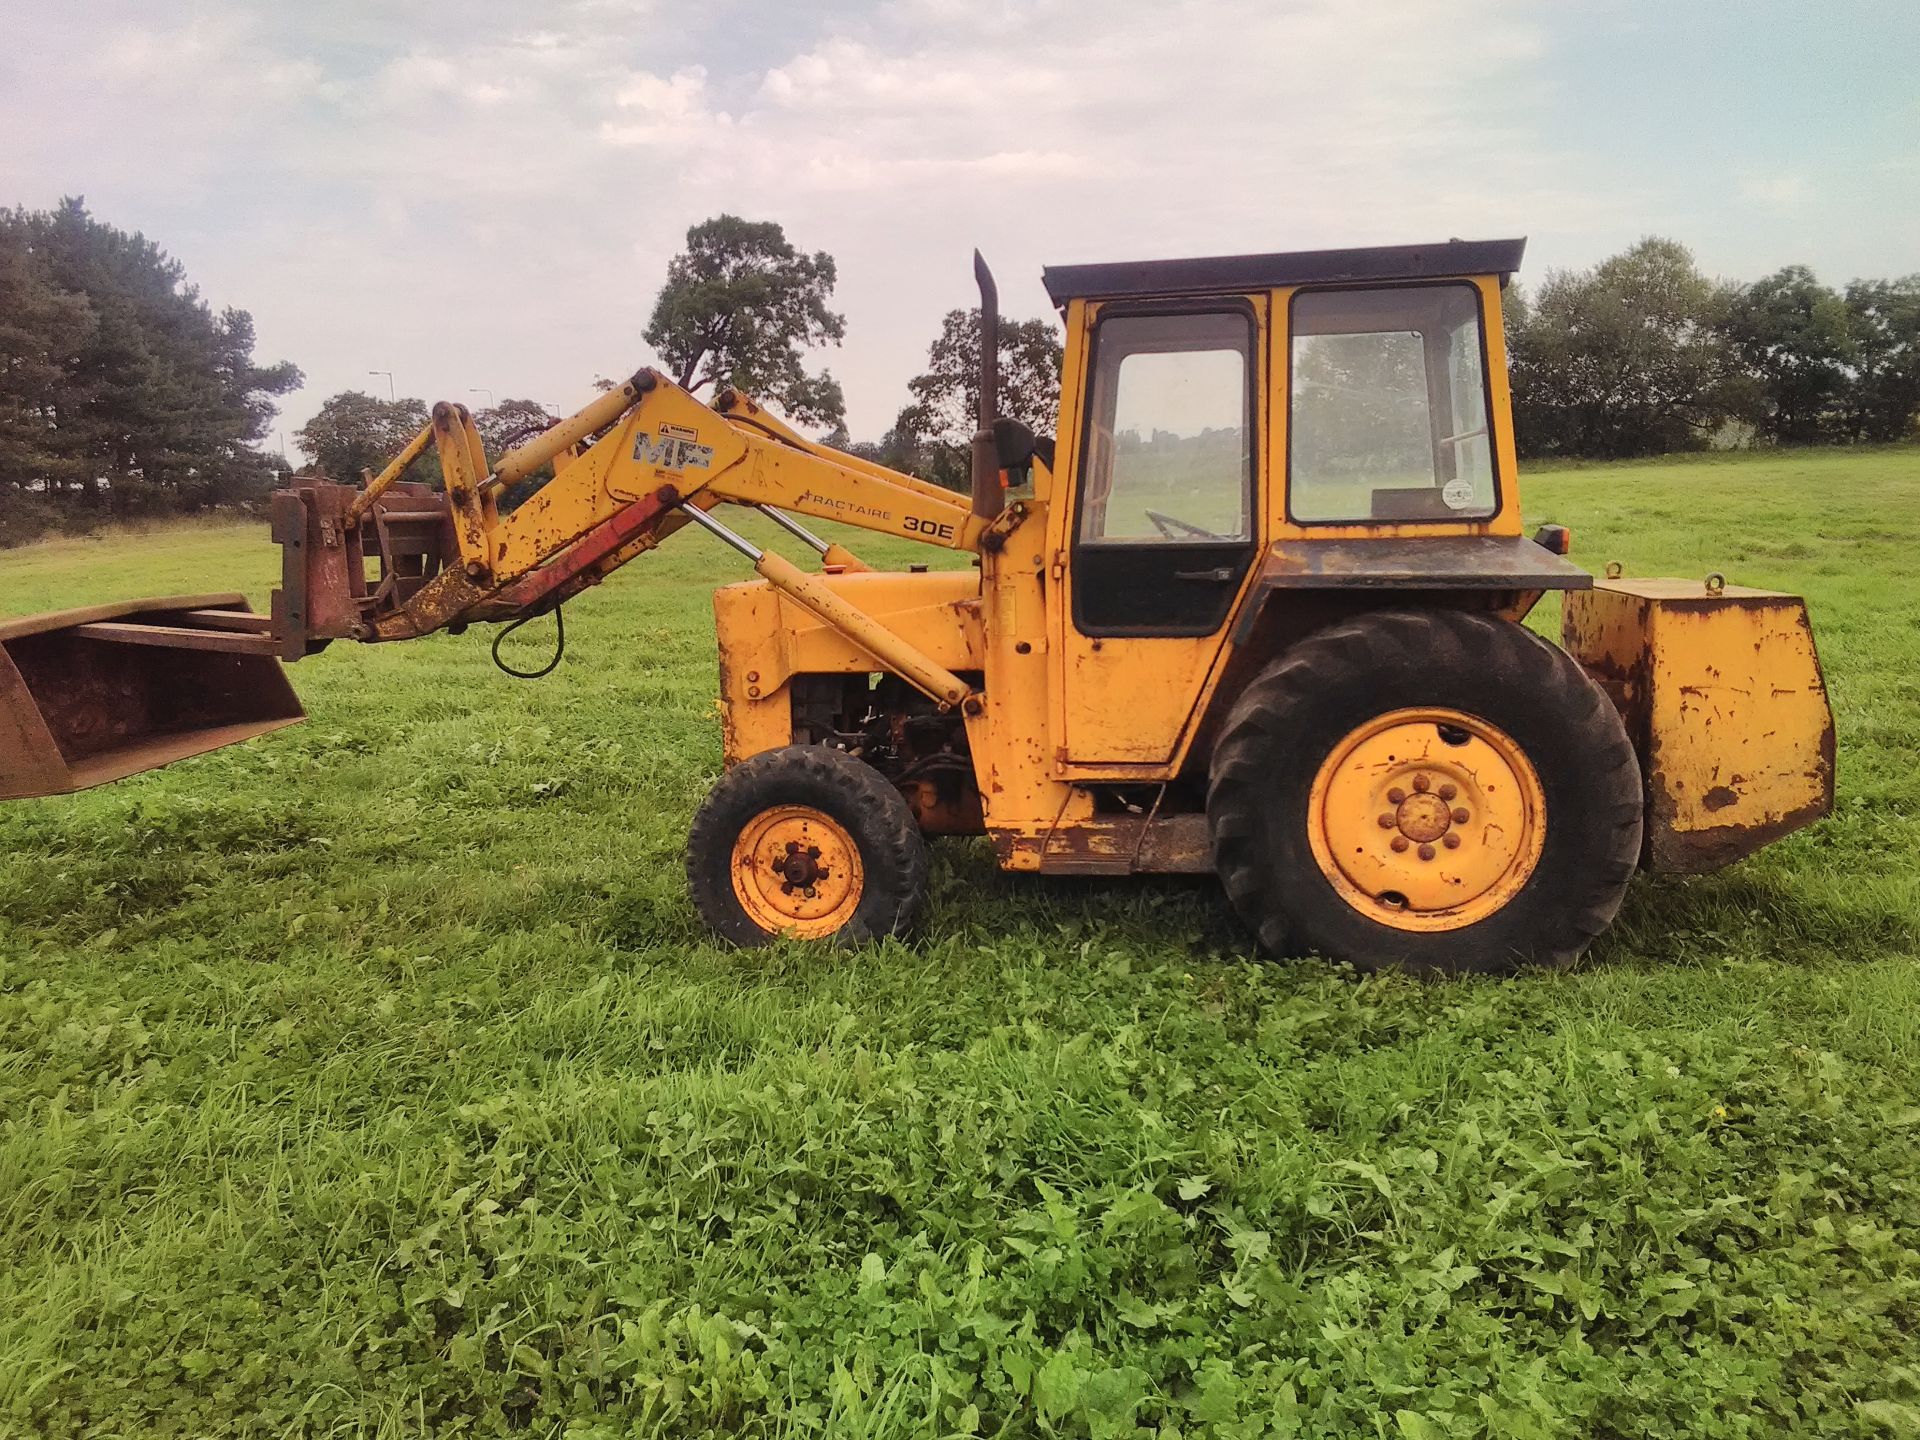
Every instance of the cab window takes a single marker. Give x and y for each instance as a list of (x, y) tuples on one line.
[(1170, 452), (1388, 415)]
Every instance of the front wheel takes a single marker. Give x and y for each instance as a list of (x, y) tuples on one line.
[(810, 843), (1429, 790)]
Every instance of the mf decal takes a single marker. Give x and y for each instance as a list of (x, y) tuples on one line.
[(677, 448)]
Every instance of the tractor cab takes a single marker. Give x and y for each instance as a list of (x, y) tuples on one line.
[(1327, 421)]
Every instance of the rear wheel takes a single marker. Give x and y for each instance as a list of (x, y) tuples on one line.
[(1432, 790), (809, 843)]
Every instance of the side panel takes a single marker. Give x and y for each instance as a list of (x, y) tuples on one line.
[(767, 639), (1014, 741), (1723, 697)]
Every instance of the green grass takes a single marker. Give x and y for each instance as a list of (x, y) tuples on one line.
[(378, 1079)]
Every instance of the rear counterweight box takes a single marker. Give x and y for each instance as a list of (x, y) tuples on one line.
[(1721, 691)]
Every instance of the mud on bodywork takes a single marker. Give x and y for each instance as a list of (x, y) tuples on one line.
[(1721, 691)]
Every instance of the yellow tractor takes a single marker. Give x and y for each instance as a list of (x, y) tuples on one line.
[(1256, 612)]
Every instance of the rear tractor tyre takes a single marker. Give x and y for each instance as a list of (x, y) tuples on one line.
[(809, 843), (1427, 790)]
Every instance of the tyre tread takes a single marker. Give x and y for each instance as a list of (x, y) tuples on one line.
[(1348, 658), (893, 850)]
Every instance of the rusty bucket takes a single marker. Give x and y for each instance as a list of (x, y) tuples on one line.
[(88, 696)]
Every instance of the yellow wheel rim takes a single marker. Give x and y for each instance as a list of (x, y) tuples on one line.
[(1427, 819), (797, 872)]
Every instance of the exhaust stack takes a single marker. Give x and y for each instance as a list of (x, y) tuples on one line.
[(988, 497)]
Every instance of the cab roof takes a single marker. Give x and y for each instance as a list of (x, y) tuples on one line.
[(1297, 267)]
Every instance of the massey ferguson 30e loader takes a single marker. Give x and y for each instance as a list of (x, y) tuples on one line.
[(1256, 611)]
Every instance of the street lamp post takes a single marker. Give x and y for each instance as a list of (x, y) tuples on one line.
[(389, 375), (481, 390)]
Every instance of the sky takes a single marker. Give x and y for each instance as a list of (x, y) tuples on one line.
[(482, 197)]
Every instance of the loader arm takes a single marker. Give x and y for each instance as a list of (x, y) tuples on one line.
[(630, 469)]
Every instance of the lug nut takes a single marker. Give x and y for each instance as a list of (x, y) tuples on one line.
[(1426, 852), (1460, 816), (1421, 782), (1450, 840), (1386, 821), (1447, 791), (1396, 796), (1399, 843)]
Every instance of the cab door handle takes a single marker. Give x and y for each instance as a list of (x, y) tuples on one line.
[(1219, 575)]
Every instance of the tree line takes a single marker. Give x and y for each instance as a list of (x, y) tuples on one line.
[(123, 393), (1644, 354)]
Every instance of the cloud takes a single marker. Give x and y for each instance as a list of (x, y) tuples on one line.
[(665, 111), (1778, 190), (475, 193)]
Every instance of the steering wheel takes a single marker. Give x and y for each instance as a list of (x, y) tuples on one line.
[(1173, 527)]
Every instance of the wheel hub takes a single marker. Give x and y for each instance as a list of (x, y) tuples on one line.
[(1424, 816), (799, 868), (797, 871), (1427, 819)]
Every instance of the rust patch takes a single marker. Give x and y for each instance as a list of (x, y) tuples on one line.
[(1720, 797), (1117, 845), (945, 809), (1700, 852)]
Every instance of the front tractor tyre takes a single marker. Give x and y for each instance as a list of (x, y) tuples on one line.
[(1428, 790), (809, 843)]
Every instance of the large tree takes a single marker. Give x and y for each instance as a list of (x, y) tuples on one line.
[(1629, 357), (935, 429), (42, 330), (741, 306), (1884, 324), (121, 389), (1794, 336), (511, 423), (354, 431)]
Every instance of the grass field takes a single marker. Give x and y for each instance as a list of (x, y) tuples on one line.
[(377, 1079)]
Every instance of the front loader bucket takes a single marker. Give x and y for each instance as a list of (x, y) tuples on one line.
[(88, 696)]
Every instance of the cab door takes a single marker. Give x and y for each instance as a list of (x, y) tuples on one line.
[(1165, 523)]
